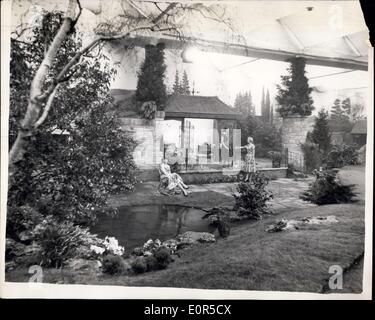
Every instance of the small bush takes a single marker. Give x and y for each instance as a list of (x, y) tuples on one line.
[(327, 189), (148, 110), (163, 257), (253, 197), (20, 219), (152, 263), (139, 265), (62, 241), (313, 157), (342, 155), (159, 260), (113, 265)]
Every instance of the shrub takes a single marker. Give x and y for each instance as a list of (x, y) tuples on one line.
[(312, 156), (74, 172), (162, 257), (253, 197), (159, 260), (147, 110), (62, 241), (327, 189), (152, 263), (113, 264), (342, 155), (266, 136), (20, 219), (139, 265)]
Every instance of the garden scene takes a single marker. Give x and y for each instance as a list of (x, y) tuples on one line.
[(139, 156)]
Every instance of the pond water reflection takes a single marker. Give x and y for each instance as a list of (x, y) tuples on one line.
[(133, 226)]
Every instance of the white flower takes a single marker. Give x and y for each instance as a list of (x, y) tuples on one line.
[(111, 244), (96, 249)]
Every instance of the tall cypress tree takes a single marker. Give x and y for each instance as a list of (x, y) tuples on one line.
[(294, 93), (263, 104), (267, 107), (185, 84), (176, 85), (150, 86)]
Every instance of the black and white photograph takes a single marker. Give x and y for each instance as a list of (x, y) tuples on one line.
[(186, 149)]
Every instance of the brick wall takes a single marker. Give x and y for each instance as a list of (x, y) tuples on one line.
[(294, 132)]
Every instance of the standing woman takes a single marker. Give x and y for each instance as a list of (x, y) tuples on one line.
[(250, 168)]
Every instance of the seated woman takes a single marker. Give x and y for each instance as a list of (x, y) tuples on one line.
[(173, 182)]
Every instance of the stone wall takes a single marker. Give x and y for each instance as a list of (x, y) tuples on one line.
[(294, 131)]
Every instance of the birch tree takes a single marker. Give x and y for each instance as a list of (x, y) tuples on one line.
[(130, 22)]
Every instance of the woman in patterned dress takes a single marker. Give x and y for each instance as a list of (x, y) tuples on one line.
[(250, 168), (175, 183)]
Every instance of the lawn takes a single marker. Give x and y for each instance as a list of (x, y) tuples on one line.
[(252, 259)]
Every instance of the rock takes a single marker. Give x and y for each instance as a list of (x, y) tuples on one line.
[(138, 251), (14, 248), (9, 266), (83, 264), (171, 245), (26, 236), (192, 237), (33, 249), (293, 224)]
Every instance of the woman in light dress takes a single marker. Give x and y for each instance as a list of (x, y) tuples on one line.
[(175, 183), (250, 165)]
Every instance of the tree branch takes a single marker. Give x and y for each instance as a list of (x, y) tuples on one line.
[(46, 108)]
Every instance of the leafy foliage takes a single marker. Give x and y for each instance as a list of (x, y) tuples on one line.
[(62, 241), (340, 116), (266, 137), (321, 134), (342, 155), (113, 265), (327, 189), (253, 197), (294, 93), (150, 86), (312, 155), (21, 219), (80, 154), (148, 110), (183, 86), (139, 265)]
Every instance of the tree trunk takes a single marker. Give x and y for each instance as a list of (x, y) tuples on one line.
[(35, 103)]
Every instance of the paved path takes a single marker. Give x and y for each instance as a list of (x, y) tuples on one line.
[(286, 195)]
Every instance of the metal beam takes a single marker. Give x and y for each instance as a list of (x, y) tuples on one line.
[(180, 43)]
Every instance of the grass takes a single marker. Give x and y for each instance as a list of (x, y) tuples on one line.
[(252, 259)]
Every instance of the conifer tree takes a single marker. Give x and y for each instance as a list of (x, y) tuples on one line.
[(321, 133), (262, 103), (267, 107), (336, 111), (150, 86), (294, 93), (346, 106), (176, 85), (185, 84)]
